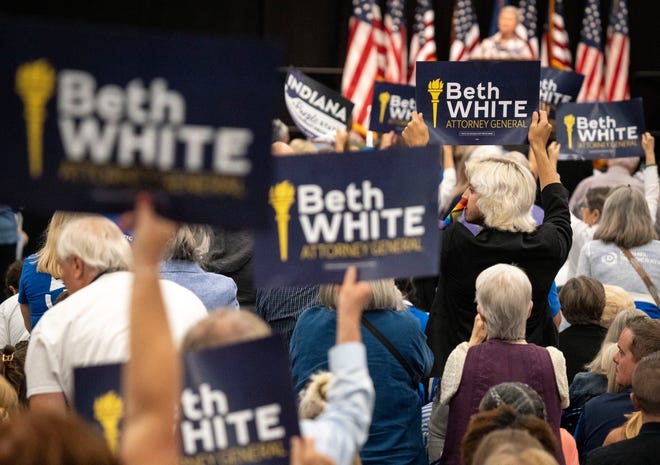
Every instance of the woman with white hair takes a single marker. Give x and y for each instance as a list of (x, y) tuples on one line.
[(395, 435), (499, 198), (496, 353)]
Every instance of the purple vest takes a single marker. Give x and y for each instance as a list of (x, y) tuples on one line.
[(493, 362)]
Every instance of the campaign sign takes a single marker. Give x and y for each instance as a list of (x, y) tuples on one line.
[(558, 87), (97, 397), (478, 102), (375, 210), (91, 115), (316, 110), (237, 405), (601, 130), (391, 107)]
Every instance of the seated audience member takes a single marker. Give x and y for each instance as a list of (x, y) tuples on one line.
[(497, 352), (639, 338), (628, 430), (397, 398), (624, 248), (12, 368), (645, 447), (504, 418), (9, 404), (90, 327), (185, 253), (582, 301), (12, 325), (617, 299)]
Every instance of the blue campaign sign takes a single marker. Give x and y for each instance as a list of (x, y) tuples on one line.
[(91, 115), (478, 102), (558, 87), (375, 210), (601, 130), (391, 107), (234, 412), (317, 110)]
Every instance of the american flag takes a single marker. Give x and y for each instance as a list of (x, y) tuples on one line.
[(422, 44), (555, 48), (526, 30), (394, 62), (465, 31), (617, 54), (589, 59), (361, 67)]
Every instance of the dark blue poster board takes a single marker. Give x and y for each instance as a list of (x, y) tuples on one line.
[(601, 130), (90, 115), (391, 107), (375, 210), (558, 87), (478, 102)]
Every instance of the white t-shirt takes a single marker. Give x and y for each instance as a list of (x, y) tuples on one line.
[(91, 328), (12, 326)]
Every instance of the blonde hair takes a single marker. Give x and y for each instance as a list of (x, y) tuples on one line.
[(507, 191), (9, 403), (48, 254), (616, 300), (384, 294)]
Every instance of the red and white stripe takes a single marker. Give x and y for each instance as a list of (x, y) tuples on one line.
[(396, 56), (589, 61), (559, 56), (426, 52), (616, 70)]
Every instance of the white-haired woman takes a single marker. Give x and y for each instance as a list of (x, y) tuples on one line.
[(395, 436), (500, 196), (504, 301), (626, 226)]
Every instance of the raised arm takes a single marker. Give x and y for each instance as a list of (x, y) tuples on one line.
[(416, 132), (538, 135), (152, 375), (651, 187)]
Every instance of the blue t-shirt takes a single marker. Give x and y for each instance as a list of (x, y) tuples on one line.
[(38, 290)]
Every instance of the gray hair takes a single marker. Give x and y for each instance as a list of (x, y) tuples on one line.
[(384, 294), (224, 327), (507, 192), (504, 294), (615, 225), (191, 243), (521, 397), (513, 9), (630, 163), (97, 241)]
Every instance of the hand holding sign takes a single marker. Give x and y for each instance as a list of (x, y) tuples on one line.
[(416, 133), (303, 452), (648, 145), (538, 135), (352, 297)]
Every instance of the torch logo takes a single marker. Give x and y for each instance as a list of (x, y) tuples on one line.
[(35, 84), (435, 88), (383, 98), (108, 410), (569, 121), (281, 197)]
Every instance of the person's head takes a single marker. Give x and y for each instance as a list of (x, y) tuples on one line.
[(299, 145), (527, 456), (90, 246), (617, 299), (626, 219), (384, 294), (483, 423), (500, 194), (508, 20), (639, 338), (9, 404), (582, 300), (13, 277), (646, 385), (629, 163), (52, 438), (522, 398), (48, 262), (504, 300), (12, 369), (509, 440), (191, 243), (224, 327), (591, 207)]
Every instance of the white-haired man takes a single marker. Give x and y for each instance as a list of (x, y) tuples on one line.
[(90, 327)]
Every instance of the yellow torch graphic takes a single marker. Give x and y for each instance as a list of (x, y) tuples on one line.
[(108, 410), (569, 121), (383, 98), (281, 197), (35, 84), (435, 89)]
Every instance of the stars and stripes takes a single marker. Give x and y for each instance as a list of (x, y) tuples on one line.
[(361, 67), (422, 44), (526, 30), (617, 54), (394, 62), (589, 57), (465, 31), (555, 48)]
